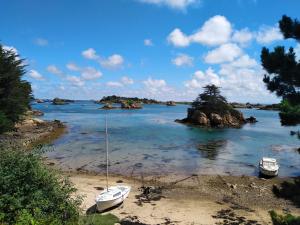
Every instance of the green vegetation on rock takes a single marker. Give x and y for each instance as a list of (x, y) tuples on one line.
[(15, 93), (120, 99)]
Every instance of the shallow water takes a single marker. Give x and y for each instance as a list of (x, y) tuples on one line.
[(149, 141)]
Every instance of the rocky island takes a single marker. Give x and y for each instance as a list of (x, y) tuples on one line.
[(119, 99), (59, 101), (211, 109)]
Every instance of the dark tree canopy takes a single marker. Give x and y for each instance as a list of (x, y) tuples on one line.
[(283, 69), (290, 28), (15, 93), (211, 100), (283, 72)]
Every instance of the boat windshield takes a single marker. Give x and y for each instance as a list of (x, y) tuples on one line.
[(269, 163), (117, 194)]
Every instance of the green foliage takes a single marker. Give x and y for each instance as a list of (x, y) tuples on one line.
[(33, 194), (211, 100), (283, 71), (290, 114), (290, 28), (286, 219), (283, 76), (5, 123), (120, 99), (98, 219), (15, 93)]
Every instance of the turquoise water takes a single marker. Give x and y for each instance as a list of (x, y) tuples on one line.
[(148, 141)]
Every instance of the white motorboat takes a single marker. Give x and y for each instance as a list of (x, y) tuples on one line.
[(113, 195), (268, 167)]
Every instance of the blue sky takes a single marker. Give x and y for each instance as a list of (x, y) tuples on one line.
[(163, 49)]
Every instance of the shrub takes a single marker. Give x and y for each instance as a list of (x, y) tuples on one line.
[(286, 219), (289, 114), (31, 193)]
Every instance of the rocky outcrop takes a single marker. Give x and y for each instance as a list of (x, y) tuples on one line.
[(230, 118), (34, 112), (108, 106), (251, 119), (170, 103), (32, 131), (39, 101), (59, 101), (131, 105)]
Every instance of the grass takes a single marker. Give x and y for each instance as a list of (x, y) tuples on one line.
[(286, 219), (98, 219)]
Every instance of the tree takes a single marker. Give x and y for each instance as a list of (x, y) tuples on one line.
[(211, 100), (15, 93), (283, 72)]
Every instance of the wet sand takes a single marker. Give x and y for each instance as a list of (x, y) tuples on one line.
[(203, 199)]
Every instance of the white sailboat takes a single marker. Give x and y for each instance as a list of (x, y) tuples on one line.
[(268, 167), (113, 195)]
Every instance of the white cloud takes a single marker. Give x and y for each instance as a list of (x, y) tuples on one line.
[(148, 42), (76, 81), (225, 53), (126, 80), (174, 4), (244, 61), (200, 79), (183, 60), (72, 67), (87, 73), (53, 69), (178, 39), (36, 75), (243, 36), (155, 87), (215, 31), (114, 84), (152, 83), (41, 41), (90, 73), (90, 54), (112, 62), (240, 80), (268, 34)]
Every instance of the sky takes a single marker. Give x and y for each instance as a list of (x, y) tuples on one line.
[(161, 49)]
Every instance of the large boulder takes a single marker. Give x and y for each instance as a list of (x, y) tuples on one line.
[(231, 118), (216, 120), (200, 118)]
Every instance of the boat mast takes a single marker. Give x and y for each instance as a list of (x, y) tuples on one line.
[(106, 143)]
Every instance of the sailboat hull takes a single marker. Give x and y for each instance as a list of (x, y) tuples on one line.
[(109, 202)]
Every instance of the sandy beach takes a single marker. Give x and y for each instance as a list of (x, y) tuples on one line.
[(203, 199)]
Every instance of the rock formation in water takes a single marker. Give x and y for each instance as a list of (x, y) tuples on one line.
[(59, 101), (130, 105), (211, 109), (170, 103)]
